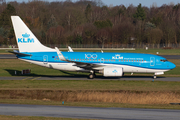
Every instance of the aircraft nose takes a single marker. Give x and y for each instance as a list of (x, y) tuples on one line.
[(172, 65)]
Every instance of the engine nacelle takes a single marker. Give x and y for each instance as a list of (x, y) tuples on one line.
[(112, 72)]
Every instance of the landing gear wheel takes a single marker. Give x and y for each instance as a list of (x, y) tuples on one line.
[(91, 76), (154, 76)]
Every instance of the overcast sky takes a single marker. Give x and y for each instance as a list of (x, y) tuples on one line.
[(126, 3)]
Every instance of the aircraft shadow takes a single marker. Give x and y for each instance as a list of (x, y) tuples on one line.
[(18, 73), (12, 72)]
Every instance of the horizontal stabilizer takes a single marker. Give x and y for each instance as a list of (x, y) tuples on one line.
[(18, 53)]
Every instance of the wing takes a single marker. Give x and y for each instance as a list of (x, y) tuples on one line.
[(88, 66)]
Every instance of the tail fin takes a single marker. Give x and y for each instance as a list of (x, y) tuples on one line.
[(26, 40)]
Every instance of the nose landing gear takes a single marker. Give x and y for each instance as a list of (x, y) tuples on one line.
[(92, 75)]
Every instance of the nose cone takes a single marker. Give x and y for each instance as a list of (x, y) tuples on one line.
[(171, 65)]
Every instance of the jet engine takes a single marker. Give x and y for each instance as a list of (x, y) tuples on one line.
[(112, 72)]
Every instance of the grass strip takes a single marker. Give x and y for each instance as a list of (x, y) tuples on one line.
[(116, 85), (9, 117), (106, 93), (104, 96)]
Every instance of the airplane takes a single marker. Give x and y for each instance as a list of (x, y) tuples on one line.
[(108, 64)]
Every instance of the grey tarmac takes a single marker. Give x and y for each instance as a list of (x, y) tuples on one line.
[(89, 112), (97, 78)]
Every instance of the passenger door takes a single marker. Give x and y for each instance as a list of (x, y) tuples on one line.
[(45, 59), (152, 61)]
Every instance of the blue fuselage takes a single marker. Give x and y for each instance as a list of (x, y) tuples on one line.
[(148, 61)]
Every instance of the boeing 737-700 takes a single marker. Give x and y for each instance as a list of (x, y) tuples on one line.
[(108, 64)]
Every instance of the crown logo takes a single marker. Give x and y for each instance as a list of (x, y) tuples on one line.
[(25, 35), (115, 71)]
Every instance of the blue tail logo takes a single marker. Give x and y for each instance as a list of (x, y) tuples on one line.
[(26, 39)]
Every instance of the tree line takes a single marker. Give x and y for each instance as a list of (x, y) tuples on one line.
[(92, 22)]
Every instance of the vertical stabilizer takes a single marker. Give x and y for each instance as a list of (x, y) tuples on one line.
[(26, 40)]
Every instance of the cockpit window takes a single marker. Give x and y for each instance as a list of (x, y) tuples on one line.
[(163, 60)]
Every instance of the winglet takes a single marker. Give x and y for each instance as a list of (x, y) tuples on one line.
[(60, 55), (70, 49)]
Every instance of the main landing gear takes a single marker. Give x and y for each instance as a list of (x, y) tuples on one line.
[(154, 76), (91, 76)]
